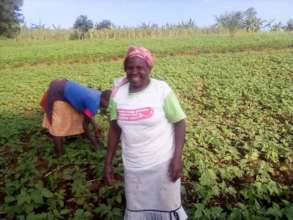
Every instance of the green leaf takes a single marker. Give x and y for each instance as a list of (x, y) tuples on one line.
[(288, 211), (235, 214), (9, 199), (46, 193), (37, 197)]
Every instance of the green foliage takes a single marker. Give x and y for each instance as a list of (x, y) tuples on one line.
[(289, 26), (104, 24), (275, 27), (231, 21), (83, 24), (75, 35), (250, 21), (10, 17), (237, 20), (237, 95)]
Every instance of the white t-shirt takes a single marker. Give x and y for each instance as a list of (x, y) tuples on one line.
[(146, 120)]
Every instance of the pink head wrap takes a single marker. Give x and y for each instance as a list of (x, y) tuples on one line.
[(140, 52)]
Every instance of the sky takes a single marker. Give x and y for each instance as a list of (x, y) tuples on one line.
[(132, 13)]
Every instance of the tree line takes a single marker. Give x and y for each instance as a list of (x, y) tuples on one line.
[(249, 21), (11, 20)]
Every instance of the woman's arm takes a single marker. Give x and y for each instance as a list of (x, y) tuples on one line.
[(176, 165), (89, 133), (97, 130), (113, 140)]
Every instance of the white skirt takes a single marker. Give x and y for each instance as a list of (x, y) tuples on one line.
[(150, 195)]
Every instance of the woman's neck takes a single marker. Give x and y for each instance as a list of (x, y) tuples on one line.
[(133, 89)]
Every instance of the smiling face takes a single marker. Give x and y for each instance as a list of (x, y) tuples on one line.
[(137, 73)]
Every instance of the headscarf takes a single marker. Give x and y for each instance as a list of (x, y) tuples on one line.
[(140, 52)]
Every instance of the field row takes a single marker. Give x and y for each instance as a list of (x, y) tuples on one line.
[(16, 54)]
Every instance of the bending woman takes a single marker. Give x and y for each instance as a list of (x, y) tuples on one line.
[(69, 109)]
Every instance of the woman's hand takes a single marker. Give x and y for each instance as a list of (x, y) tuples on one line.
[(98, 133), (97, 146), (175, 169), (108, 175), (113, 140), (176, 165), (91, 135)]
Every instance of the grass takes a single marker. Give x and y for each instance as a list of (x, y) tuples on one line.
[(47, 52)]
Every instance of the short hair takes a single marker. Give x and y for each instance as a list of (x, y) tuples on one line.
[(106, 94)]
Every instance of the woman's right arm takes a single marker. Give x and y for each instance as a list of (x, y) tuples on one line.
[(113, 140)]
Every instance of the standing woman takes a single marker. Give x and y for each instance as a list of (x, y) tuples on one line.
[(147, 117)]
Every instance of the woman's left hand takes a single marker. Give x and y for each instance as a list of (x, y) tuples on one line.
[(175, 169), (98, 133)]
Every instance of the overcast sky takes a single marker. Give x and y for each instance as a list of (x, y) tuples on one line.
[(63, 13)]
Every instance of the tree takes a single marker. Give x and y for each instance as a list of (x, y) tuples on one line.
[(246, 20), (231, 21), (37, 26), (148, 26), (276, 27), (83, 24), (250, 21), (104, 24), (289, 26), (187, 24), (10, 17)]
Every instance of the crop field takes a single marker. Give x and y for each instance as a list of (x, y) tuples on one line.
[(237, 93)]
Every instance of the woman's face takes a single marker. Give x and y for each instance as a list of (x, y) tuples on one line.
[(137, 73)]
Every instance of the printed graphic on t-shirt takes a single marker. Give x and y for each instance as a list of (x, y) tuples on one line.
[(135, 114)]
